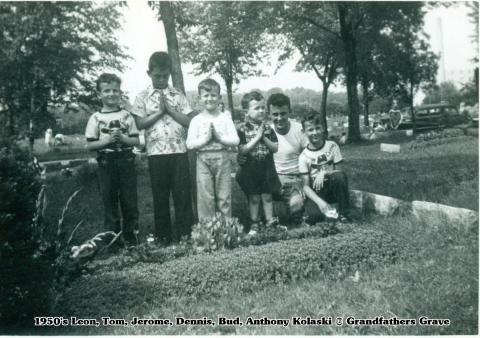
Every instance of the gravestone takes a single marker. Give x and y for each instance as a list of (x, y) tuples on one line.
[(390, 148)]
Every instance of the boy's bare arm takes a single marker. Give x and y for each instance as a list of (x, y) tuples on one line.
[(272, 146), (181, 118), (147, 121), (100, 144), (129, 140), (247, 147), (311, 194)]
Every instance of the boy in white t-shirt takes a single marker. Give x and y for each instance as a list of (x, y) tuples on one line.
[(113, 134), (211, 133), (324, 182)]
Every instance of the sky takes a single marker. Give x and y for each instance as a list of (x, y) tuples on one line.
[(143, 34)]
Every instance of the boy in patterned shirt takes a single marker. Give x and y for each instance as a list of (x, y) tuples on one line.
[(163, 111), (211, 133), (324, 182), (113, 134)]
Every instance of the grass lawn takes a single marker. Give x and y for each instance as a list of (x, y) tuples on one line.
[(73, 148), (438, 280), (446, 173)]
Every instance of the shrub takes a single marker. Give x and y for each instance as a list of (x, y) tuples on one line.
[(244, 268), (24, 273), (146, 252), (216, 233), (434, 138)]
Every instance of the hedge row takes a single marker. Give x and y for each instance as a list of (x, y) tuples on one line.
[(215, 274), (152, 254)]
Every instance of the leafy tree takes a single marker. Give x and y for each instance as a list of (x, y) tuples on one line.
[(51, 52), (446, 91), (355, 24), (166, 12), (227, 38), (408, 65), (320, 50)]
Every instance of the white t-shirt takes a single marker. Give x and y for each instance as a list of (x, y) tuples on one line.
[(313, 161), (290, 146), (198, 131), (100, 125)]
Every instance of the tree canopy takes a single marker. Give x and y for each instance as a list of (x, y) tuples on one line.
[(226, 38), (51, 52)]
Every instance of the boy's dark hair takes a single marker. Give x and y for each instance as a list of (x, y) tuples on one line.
[(209, 85), (252, 96), (312, 117), (107, 78), (160, 60), (278, 100)]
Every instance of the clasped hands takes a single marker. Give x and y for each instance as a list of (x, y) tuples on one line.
[(163, 106), (212, 133), (116, 136)]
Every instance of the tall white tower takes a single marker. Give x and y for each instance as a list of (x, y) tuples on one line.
[(442, 50)]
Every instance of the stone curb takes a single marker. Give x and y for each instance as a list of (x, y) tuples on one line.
[(57, 165), (460, 218), (380, 204)]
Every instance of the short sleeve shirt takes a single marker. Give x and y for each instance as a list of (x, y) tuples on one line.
[(290, 147), (100, 125), (166, 136), (313, 161)]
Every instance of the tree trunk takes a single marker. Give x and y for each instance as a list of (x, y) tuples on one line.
[(323, 107), (412, 110), (349, 45), (229, 84), (366, 103), (168, 18)]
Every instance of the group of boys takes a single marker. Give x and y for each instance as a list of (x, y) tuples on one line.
[(306, 163)]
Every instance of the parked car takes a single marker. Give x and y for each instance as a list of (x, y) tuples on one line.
[(432, 116)]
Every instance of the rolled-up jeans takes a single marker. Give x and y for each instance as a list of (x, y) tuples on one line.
[(289, 209), (214, 184)]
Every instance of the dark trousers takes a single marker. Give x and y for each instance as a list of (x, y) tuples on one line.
[(334, 190), (118, 185), (170, 174)]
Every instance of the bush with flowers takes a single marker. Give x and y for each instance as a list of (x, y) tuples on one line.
[(216, 233)]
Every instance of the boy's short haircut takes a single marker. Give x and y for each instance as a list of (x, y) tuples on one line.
[(160, 60), (278, 100), (312, 117), (252, 96), (107, 78), (209, 85)]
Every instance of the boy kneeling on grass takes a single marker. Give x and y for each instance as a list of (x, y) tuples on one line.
[(324, 182), (113, 134)]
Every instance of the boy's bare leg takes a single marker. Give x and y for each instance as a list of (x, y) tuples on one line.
[(253, 206), (267, 206)]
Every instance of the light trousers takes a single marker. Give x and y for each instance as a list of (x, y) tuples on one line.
[(214, 184)]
